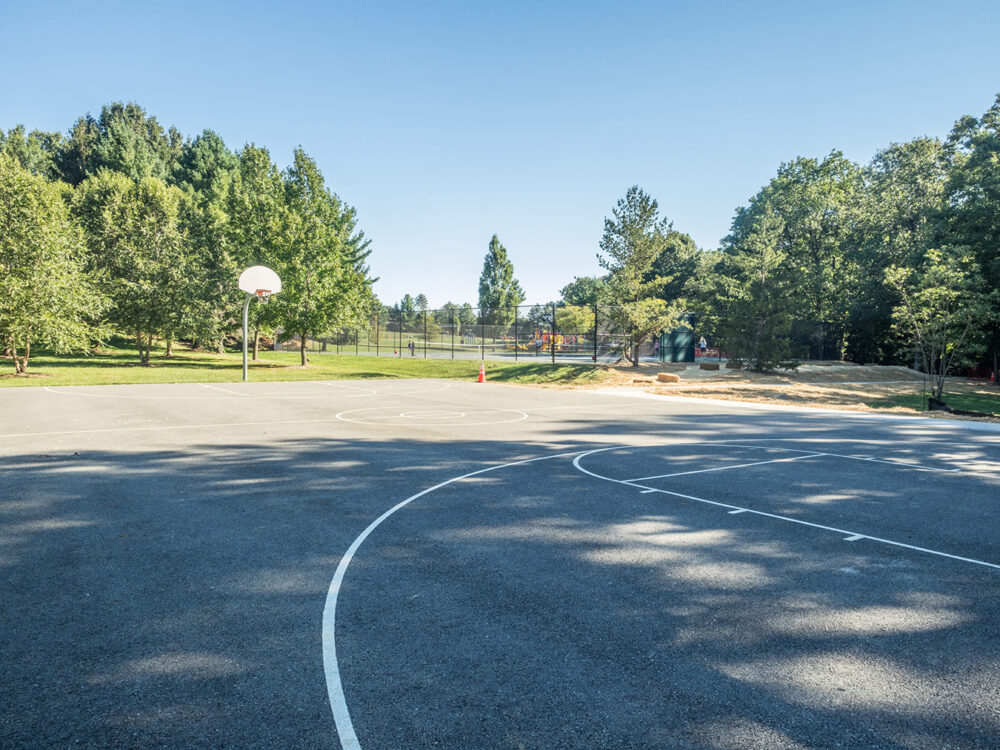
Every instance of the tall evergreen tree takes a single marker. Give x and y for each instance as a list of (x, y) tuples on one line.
[(634, 238), (499, 292)]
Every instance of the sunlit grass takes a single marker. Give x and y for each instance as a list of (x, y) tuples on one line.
[(120, 365), (985, 403)]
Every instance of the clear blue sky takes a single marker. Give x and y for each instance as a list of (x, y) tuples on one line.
[(444, 123)]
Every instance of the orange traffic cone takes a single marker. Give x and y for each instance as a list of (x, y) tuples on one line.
[(482, 373)]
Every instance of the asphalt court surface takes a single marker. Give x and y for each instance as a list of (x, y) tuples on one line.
[(304, 565)]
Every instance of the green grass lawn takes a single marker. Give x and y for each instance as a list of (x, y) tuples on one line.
[(121, 366), (981, 402)]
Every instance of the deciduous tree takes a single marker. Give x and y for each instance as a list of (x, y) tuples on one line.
[(46, 298), (944, 305), (136, 253)]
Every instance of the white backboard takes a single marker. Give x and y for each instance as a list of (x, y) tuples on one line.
[(257, 278)]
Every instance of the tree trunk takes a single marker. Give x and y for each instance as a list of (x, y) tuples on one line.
[(256, 342), (222, 339), (27, 354), (302, 348), (143, 359), (20, 363), (170, 345)]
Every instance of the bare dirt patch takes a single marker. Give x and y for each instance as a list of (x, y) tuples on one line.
[(829, 385)]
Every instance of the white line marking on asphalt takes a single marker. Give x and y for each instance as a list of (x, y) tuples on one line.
[(734, 512), (646, 492), (370, 392), (903, 464), (724, 468), (156, 428), (369, 420), (335, 688), (225, 390), (52, 389), (854, 538), (578, 459)]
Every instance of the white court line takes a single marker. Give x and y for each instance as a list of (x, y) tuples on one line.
[(870, 459), (904, 464), (725, 468), (370, 420), (368, 392), (330, 384), (262, 396), (157, 428), (52, 389), (335, 688), (225, 390), (855, 535)]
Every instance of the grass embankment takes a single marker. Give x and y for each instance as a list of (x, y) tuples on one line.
[(978, 402), (121, 366)]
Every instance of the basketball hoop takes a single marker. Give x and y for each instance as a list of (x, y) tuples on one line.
[(260, 282)]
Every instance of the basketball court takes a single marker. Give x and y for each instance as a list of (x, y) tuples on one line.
[(438, 564)]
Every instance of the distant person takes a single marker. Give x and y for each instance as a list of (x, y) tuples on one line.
[(411, 348), (703, 345)]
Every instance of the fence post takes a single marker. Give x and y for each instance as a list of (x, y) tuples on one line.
[(378, 315), (357, 335), (552, 335), (595, 333), (425, 334), (453, 333), (515, 333), (482, 336)]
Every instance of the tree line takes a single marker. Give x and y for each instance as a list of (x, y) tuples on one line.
[(124, 227), (896, 261)]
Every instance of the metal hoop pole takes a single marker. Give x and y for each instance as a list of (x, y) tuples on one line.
[(246, 313)]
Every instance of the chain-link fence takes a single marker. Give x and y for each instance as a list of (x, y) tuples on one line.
[(536, 333)]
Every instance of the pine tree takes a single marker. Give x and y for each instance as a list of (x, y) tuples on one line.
[(499, 292)]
